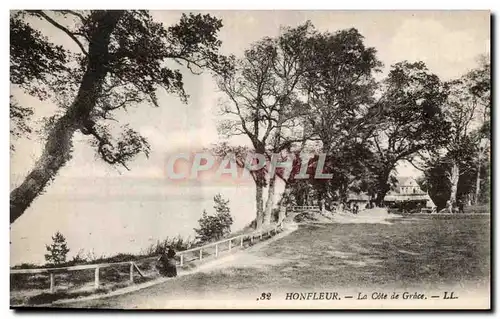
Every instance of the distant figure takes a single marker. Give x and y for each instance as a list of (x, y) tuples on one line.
[(460, 204), (370, 204), (322, 205), (334, 208), (356, 209), (168, 264)]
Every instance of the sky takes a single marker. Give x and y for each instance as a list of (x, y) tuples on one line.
[(447, 41)]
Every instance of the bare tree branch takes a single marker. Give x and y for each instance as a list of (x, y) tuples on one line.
[(74, 13), (62, 28)]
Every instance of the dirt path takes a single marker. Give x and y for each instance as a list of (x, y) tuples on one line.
[(365, 216)]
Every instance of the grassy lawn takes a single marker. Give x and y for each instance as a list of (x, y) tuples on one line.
[(428, 251), (415, 251)]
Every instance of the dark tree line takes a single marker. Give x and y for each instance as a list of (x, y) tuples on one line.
[(460, 172), (313, 92)]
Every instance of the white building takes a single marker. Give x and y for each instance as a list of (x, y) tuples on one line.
[(408, 190)]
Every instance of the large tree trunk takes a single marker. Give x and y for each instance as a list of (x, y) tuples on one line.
[(478, 178), (343, 193), (260, 182), (478, 185), (383, 187), (272, 180), (270, 201), (260, 205), (282, 214), (56, 153), (58, 148), (454, 176)]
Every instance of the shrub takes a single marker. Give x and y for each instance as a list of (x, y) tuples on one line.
[(477, 209), (78, 258), (92, 257), (177, 243), (26, 266), (217, 226), (57, 251), (275, 214)]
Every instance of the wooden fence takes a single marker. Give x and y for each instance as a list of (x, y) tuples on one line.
[(304, 208), (96, 267), (199, 253)]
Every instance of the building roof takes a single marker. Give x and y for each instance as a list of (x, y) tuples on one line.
[(406, 197)]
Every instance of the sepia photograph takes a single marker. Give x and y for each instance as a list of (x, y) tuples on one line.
[(241, 159)]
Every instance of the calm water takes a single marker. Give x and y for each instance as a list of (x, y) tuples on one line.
[(119, 216)]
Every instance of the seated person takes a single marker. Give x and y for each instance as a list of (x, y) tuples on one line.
[(168, 263)]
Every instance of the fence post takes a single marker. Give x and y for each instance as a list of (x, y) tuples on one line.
[(216, 250), (229, 245), (131, 271), (96, 278), (182, 260), (52, 283), (241, 241), (201, 254)]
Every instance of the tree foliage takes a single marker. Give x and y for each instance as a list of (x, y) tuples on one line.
[(462, 161), (122, 58), (217, 226), (437, 180), (19, 117), (263, 101), (340, 88), (57, 251), (408, 119)]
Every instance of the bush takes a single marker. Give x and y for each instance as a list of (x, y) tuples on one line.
[(57, 251), (78, 258), (477, 209), (26, 266), (275, 215), (177, 243), (304, 217), (217, 226)]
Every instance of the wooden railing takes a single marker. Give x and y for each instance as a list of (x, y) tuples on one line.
[(227, 243), (303, 208), (96, 267), (220, 246)]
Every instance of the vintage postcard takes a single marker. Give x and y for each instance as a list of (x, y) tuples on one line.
[(250, 159)]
